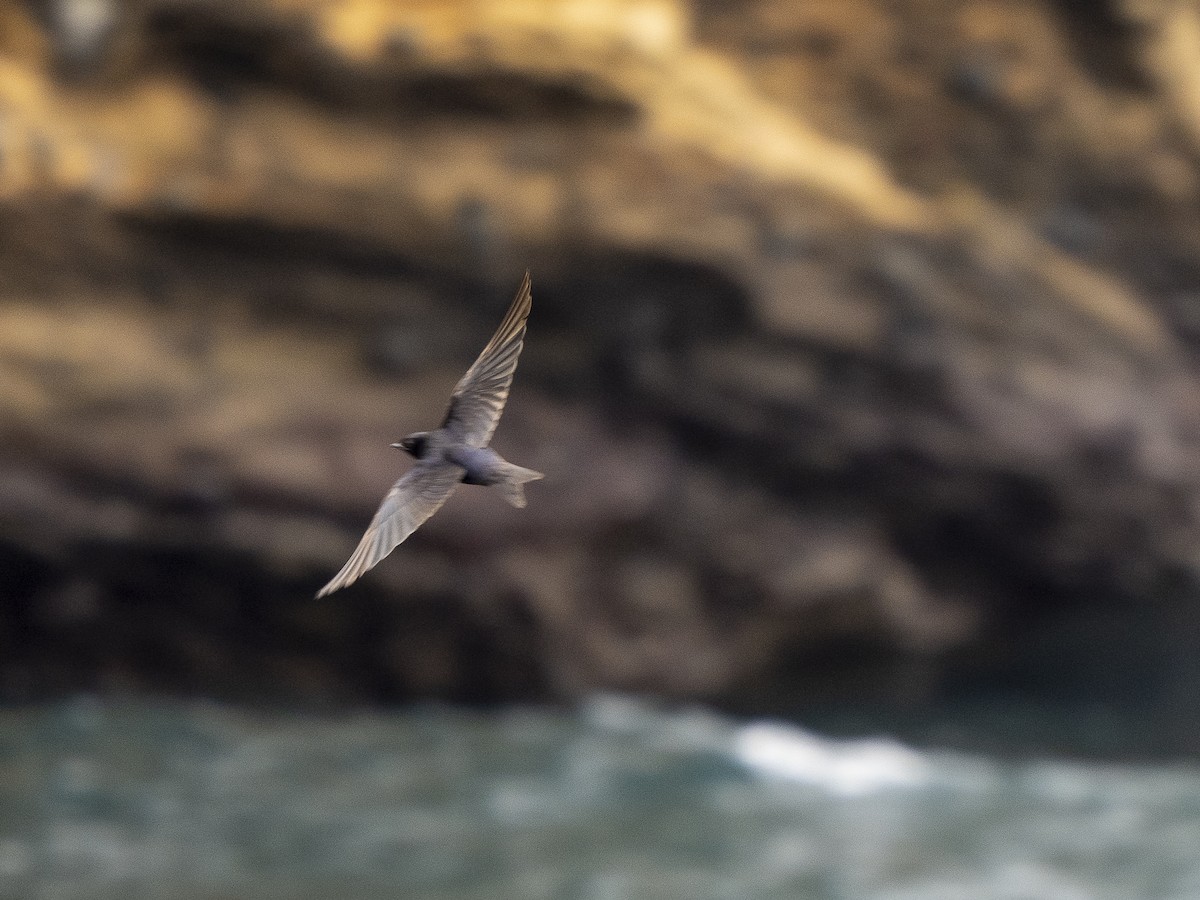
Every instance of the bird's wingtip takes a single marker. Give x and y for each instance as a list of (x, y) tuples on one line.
[(329, 589)]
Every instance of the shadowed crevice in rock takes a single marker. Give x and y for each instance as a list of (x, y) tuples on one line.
[(231, 58), (1105, 41), (261, 242)]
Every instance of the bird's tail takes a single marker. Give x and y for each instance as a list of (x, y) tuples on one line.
[(513, 484)]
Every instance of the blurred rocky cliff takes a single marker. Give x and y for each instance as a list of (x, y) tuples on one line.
[(862, 363)]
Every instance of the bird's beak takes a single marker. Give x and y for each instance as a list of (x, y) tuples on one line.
[(398, 446)]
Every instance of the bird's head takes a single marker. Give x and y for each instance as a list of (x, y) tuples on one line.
[(414, 444)]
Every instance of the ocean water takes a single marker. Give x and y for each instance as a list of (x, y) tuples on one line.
[(616, 800)]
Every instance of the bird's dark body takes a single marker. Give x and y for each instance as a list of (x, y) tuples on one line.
[(480, 465), (483, 465)]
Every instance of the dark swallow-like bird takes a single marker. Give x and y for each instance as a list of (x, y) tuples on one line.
[(455, 453)]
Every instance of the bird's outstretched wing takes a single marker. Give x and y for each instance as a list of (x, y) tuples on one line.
[(480, 395), (412, 500)]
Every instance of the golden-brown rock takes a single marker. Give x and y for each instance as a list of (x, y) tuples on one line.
[(879, 322)]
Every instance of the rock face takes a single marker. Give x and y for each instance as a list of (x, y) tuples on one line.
[(862, 355)]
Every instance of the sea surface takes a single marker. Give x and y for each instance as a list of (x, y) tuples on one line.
[(616, 800)]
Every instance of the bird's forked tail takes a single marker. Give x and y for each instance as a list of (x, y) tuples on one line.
[(514, 479)]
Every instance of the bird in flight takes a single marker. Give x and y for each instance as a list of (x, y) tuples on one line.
[(457, 452)]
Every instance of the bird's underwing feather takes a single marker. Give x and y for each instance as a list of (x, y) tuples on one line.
[(480, 395), (412, 500)]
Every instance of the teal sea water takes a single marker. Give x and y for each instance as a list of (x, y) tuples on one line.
[(614, 800)]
